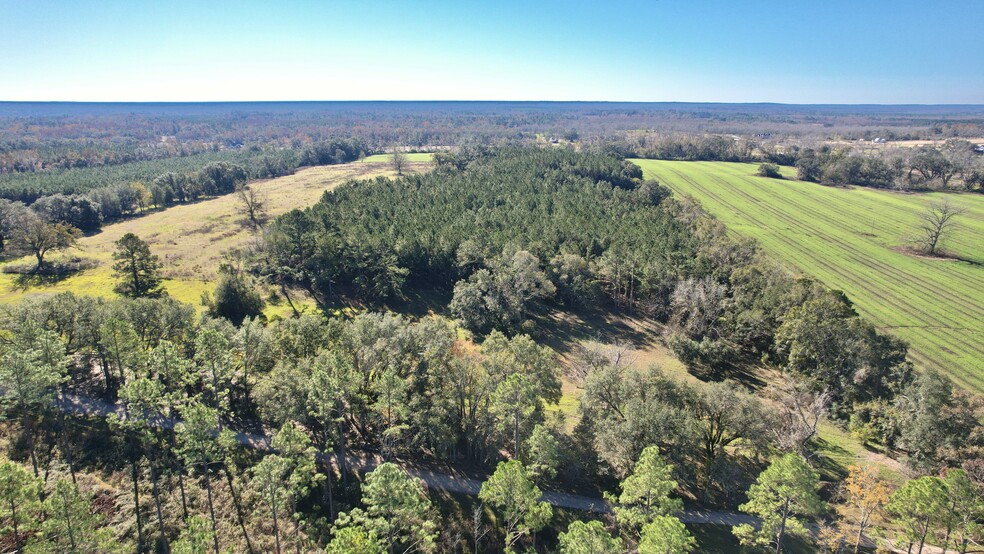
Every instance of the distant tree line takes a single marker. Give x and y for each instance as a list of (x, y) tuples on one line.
[(28, 187), (956, 165), (715, 148), (89, 210), (255, 161)]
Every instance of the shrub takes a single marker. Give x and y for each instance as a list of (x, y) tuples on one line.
[(235, 299), (706, 352), (769, 170)]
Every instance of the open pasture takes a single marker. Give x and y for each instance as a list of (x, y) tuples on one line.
[(853, 239), (412, 157), (191, 239)]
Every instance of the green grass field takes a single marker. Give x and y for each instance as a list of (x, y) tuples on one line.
[(412, 157), (851, 239)]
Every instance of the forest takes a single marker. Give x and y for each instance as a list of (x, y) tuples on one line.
[(139, 424)]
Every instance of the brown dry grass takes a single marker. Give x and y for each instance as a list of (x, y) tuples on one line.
[(192, 239)]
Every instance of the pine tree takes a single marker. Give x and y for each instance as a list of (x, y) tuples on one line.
[(201, 448), (785, 490), (332, 386), (397, 511), (145, 406), (32, 366), (269, 480), (71, 525), (919, 507), (213, 355), (121, 347), (196, 538), (166, 365), (514, 495), (646, 491), (300, 470), (19, 505), (666, 535), (355, 539), (137, 269), (589, 538)]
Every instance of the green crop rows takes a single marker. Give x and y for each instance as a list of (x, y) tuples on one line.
[(853, 239)]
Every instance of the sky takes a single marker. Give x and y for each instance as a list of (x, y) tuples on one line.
[(790, 51)]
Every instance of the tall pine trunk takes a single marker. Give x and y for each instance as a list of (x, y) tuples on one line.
[(211, 507), (29, 427), (136, 501), (157, 504), (66, 451), (68, 524), (239, 509), (13, 517), (179, 469), (297, 525), (273, 508)]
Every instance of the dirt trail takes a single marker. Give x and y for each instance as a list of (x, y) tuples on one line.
[(439, 480)]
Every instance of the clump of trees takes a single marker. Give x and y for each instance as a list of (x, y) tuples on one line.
[(577, 223), (922, 167)]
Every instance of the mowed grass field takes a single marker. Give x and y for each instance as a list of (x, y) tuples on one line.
[(852, 239), (412, 157), (192, 239)]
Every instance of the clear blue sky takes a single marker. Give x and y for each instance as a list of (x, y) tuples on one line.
[(817, 51)]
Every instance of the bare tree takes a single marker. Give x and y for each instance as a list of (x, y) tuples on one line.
[(399, 161), (588, 357), (936, 223), (252, 204), (801, 409)]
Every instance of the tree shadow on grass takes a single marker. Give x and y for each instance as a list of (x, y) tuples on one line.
[(743, 372), (420, 302), (825, 463), (26, 281), (564, 331), (29, 275)]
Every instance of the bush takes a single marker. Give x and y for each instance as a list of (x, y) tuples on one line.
[(235, 299), (769, 170), (705, 353)]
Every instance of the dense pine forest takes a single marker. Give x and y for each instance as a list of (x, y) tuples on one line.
[(139, 424)]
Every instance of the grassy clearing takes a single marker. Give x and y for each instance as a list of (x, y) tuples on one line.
[(192, 239), (412, 157), (566, 332), (850, 238)]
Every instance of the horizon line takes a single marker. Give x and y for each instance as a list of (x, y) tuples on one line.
[(487, 101)]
